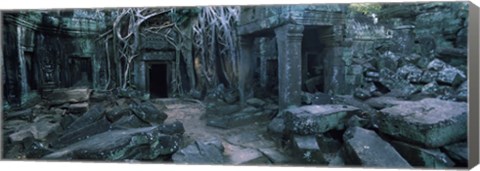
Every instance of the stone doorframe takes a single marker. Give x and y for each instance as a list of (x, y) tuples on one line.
[(289, 35)]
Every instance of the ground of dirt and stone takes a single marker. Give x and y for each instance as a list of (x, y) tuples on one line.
[(334, 131)]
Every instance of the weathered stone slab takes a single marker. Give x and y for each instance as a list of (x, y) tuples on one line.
[(420, 157), (430, 122), (68, 138), (315, 119), (458, 152), (239, 119), (77, 108), (139, 143), (275, 156), (244, 156), (199, 153), (117, 113), (384, 102), (147, 112), (451, 76), (42, 129), (306, 148), (61, 96), (129, 121), (255, 102), (26, 114), (394, 82), (92, 115), (364, 147)]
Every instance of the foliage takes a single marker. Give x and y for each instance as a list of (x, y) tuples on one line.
[(365, 8)]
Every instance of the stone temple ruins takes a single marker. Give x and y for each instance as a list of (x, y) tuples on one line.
[(332, 85)]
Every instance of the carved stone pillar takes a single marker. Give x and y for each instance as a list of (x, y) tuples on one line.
[(289, 45), (245, 68)]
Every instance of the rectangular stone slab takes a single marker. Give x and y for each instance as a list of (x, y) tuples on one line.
[(429, 122), (364, 147), (316, 119)]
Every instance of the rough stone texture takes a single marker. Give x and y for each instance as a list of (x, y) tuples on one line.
[(364, 147), (306, 148), (420, 157), (393, 82), (314, 119), (275, 156), (147, 112), (289, 42), (199, 153), (77, 108), (61, 96), (462, 92), (44, 128), (92, 115), (140, 143), (129, 121), (384, 102), (26, 114), (458, 152), (256, 102), (239, 119), (451, 76), (244, 156), (68, 138), (430, 122)]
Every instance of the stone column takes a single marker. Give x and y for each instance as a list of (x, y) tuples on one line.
[(263, 62), (245, 68), (289, 45)]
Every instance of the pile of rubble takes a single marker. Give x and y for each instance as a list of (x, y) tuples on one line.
[(428, 133), (84, 124), (412, 77)]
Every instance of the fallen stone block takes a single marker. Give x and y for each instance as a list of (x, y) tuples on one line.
[(420, 157), (384, 102), (61, 96), (458, 152), (431, 89), (118, 113), (446, 53), (132, 121), (364, 147), (77, 108), (26, 114), (275, 156), (252, 139), (362, 94), (68, 138), (306, 148), (255, 102), (95, 113), (429, 76), (315, 119), (147, 112), (436, 65), (199, 153), (462, 92), (430, 122), (37, 150), (140, 143), (357, 121), (244, 156), (239, 119), (393, 82), (451, 76)]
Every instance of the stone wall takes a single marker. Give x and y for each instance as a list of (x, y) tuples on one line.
[(39, 50)]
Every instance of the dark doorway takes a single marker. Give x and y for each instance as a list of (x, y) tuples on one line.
[(31, 70), (158, 81), (81, 71), (313, 45)]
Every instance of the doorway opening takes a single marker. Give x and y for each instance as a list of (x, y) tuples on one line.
[(158, 80), (313, 58), (31, 70)]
